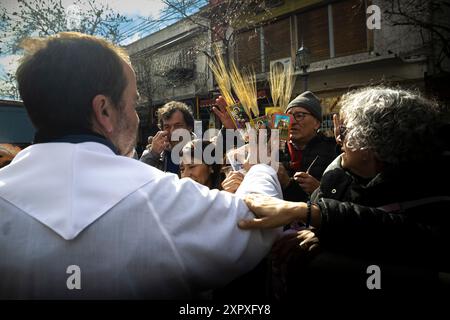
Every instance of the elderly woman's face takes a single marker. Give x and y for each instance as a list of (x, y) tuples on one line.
[(200, 173), (355, 161), (359, 162)]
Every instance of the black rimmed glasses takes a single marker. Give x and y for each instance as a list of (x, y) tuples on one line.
[(299, 116)]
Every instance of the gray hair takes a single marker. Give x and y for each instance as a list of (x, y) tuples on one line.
[(398, 125)]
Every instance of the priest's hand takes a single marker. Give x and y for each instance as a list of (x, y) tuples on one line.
[(271, 212)]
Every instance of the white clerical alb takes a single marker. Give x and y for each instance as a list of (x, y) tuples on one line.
[(130, 230)]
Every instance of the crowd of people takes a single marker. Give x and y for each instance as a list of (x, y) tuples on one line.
[(160, 228)]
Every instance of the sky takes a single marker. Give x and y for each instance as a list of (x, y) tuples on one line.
[(128, 8)]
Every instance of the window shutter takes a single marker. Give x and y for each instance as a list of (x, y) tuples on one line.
[(277, 41), (350, 31), (313, 28), (248, 50)]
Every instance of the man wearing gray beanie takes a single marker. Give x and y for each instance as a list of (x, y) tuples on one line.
[(308, 101), (309, 152)]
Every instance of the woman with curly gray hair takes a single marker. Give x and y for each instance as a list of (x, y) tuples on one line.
[(381, 201), (395, 127)]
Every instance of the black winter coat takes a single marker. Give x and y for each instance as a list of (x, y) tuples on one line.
[(370, 222), (326, 150)]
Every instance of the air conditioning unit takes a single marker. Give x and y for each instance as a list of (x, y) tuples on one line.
[(284, 63)]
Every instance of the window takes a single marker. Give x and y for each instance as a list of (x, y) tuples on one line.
[(349, 24), (312, 28), (248, 50), (348, 29), (277, 41)]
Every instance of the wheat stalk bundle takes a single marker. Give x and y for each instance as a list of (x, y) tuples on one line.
[(217, 66), (244, 86), (281, 84), (289, 83), (276, 82)]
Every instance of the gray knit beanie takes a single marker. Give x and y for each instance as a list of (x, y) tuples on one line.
[(310, 102)]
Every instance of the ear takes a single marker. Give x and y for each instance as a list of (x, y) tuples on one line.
[(317, 126), (103, 114)]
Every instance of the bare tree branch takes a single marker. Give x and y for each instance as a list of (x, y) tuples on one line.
[(48, 17), (424, 16)]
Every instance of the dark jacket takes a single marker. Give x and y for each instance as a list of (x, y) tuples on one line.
[(401, 217), (326, 150), (158, 161), (410, 246)]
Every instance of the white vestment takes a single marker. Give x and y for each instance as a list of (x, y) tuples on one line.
[(132, 230)]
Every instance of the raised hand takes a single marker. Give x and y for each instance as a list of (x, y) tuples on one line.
[(160, 142), (221, 112)]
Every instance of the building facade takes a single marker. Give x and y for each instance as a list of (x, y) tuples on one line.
[(170, 65), (352, 43), (346, 51)]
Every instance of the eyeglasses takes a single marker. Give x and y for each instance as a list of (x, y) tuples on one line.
[(342, 131), (299, 116)]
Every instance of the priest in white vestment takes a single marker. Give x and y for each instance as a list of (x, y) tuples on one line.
[(80, 221)]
